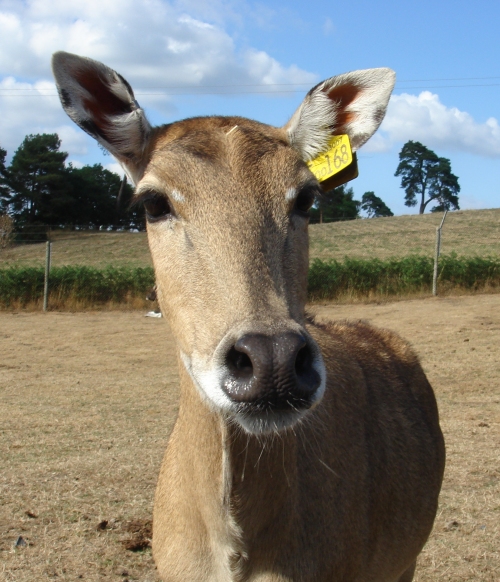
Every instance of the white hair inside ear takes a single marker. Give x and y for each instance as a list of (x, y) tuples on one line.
[(353, 104), (102, 103)]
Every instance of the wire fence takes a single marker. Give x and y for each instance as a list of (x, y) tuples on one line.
[(465, 233), (111, 254)]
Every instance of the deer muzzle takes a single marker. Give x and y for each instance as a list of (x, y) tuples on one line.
[(271, 372)]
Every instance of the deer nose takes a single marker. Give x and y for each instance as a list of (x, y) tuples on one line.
[(272, 371)]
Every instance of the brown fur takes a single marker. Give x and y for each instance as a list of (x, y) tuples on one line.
[(348, 495), (349, 492)]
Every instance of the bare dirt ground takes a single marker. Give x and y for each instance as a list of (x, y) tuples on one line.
[(88, 400)]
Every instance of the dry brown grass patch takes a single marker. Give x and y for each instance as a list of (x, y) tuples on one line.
[(467, 233), (88, 400)]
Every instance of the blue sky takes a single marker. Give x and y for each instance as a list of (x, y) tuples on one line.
[(256, 59)]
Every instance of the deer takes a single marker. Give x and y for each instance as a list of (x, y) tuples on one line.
[(303, 450)]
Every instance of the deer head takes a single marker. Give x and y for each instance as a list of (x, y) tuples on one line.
[(227, 203)]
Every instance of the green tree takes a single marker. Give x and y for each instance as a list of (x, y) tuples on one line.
[(4, 185), (445, 188), (374, 206), (94, 190), (42, 191), (336, 204), (426, 178), (96, 193), (37, 178)]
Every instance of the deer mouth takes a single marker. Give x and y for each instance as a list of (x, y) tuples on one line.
[(266, 420)]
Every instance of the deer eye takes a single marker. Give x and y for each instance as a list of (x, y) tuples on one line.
[(157, 206), (305, 199)]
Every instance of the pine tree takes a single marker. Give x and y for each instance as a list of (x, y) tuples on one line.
[(37, 179), (427, 177), (374, 206)]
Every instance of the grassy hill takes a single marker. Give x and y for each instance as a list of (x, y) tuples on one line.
[(467, 233)]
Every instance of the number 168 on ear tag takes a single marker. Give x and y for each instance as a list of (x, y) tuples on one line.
[(337, 157)]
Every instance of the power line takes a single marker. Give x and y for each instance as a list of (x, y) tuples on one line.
[(447, 86), (434, 80), (277, 92), (450, 79), (171, 90)]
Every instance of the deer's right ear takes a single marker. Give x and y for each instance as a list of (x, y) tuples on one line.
[(102, 103)]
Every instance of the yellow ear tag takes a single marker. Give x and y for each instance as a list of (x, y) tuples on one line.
[(332, 161)]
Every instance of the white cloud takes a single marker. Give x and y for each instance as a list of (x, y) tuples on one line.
[(468, 202), (377, 144), (72, 140), (33, 108), (424, 118), (151, 42), (155, 44)]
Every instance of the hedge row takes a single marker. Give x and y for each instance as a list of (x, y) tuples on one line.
[(327, 279), (355, 277), (22, 285)]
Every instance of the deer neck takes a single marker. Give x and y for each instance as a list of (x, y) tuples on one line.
[(243, 486)]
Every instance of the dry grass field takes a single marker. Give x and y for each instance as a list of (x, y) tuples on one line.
[(94, 249), (472, 232), (88, 400)]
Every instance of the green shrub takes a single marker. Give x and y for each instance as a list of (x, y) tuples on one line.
[(21, 285), (359, 277), (469, 272), (327, 279)]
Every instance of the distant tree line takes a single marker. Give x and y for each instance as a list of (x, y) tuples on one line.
[(38, 189), (339, 204), (426, 178)]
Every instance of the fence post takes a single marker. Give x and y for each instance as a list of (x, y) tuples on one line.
[(47, 271), (436, 254)]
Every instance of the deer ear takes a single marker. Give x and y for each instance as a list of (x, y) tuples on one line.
[(353, 104), (102, 103)]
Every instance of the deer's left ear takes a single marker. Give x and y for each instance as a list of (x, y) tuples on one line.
[(102, 103), (353, 104)]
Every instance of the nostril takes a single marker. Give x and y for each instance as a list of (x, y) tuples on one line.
[(307, 376), (239, 364), (275, 371), (303, 361)]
